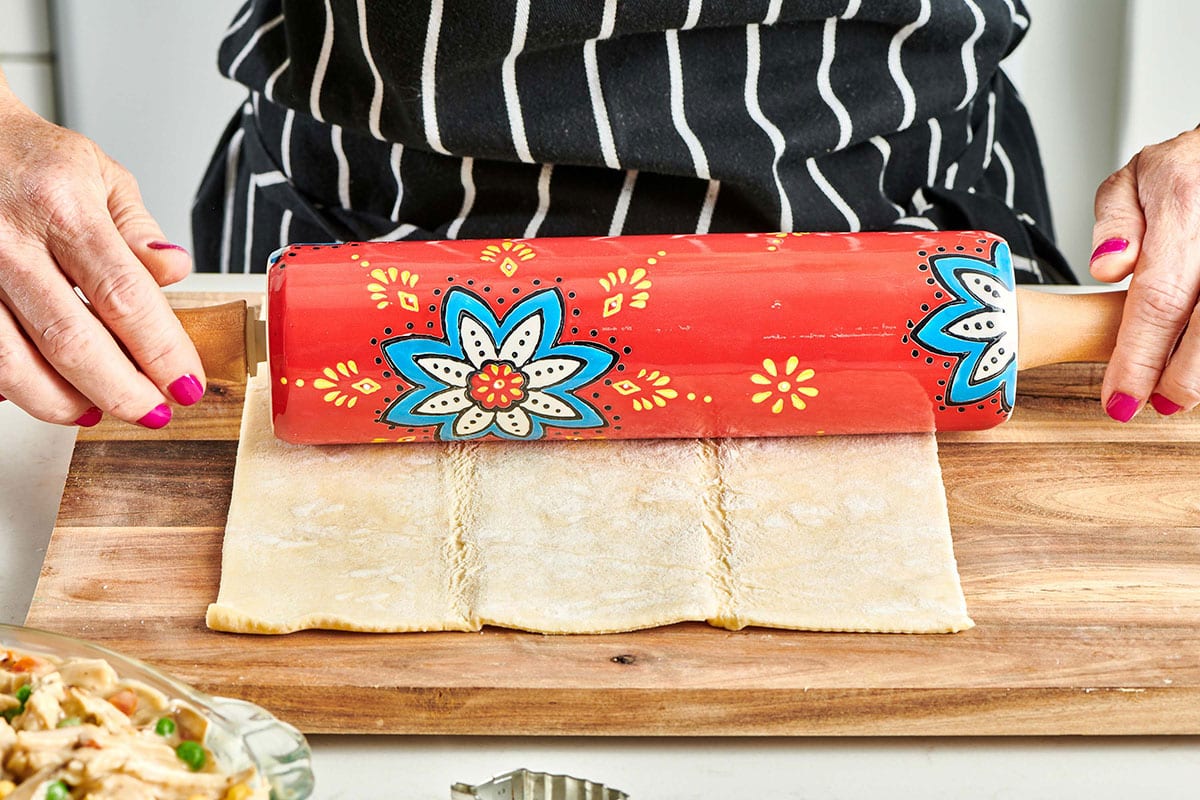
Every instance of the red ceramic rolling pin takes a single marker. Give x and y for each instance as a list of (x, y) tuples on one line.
[(659, 336)]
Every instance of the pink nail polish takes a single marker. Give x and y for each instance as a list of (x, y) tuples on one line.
[(186, 390), (158, 417), (1121, 407), (90, 418), (1164, 406), (1108, 247), (160, 245)]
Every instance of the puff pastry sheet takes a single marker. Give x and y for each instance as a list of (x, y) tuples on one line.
[(826, 533)]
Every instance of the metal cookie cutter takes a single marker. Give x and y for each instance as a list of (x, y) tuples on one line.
[(522, 784)]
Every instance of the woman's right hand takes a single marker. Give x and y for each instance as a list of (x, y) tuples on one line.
[(72, 218)]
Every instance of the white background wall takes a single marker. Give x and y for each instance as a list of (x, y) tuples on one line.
[(26, 52), (1101, 77), (140, 78)]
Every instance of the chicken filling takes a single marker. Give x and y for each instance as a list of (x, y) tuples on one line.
[(74, 730)]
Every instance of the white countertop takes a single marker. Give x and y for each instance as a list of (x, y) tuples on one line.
[(34, 467)]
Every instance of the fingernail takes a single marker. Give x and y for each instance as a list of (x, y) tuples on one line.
[(161, 245), (90, 418), (1109, 246), (2, 398), (186, 390), (158, 417), (1164, 406), (1121, 407)]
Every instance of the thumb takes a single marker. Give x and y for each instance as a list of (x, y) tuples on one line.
[(165, 261), (1120, 226)]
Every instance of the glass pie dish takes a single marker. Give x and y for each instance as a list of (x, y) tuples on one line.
[(242, 738)]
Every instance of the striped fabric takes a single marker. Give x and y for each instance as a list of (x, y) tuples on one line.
[(456, 119)]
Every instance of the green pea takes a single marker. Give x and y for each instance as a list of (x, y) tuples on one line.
[(165, 726), (69, 722), (22, 696), (192, 754), (58, 791)]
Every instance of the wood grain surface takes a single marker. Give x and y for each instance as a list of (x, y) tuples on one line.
[(1078, 542)]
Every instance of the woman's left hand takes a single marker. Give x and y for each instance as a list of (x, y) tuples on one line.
[(1148, 226)]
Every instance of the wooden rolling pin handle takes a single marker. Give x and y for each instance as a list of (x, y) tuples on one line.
[(228, 337), (1060, 328)]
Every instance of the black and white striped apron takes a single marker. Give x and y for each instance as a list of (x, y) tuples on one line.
[(456, 119)]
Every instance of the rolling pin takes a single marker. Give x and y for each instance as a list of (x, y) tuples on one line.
[(721, 335)]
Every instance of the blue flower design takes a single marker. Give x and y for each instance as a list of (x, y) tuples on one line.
[(509, 378), (977, 326)]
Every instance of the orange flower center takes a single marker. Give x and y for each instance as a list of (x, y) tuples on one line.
[(497, 386)]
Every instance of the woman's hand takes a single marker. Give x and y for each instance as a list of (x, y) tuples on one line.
[(72, 222), (1148, 225)]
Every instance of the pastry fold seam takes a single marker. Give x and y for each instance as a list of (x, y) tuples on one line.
[(720, 539), (460, 552)]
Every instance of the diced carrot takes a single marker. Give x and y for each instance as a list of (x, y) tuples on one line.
[(125, 701), (25, 664)]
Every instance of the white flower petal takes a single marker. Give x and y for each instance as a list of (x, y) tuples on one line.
[(549, 371), (996, 356), (475, 341), (445, 370), (449, 401), (472, 421), (520, 345), (980, 326), (984, 288), (515, 422), (547, 405)]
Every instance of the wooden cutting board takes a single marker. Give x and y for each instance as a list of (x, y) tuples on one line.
[(1078, 542)]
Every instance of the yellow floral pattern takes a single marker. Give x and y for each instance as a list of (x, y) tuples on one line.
[(507, 254), (392, 280), (652, 393), (623, 282), (335, 391), (635, 283), (782, 385), (774, 240)]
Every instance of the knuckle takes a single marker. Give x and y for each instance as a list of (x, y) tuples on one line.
[(59, 197), (1164, 304), (48, 185), (155, 351), (1183, 190), (1168, 182), (66, 341), (121, 296), (62, 211)]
